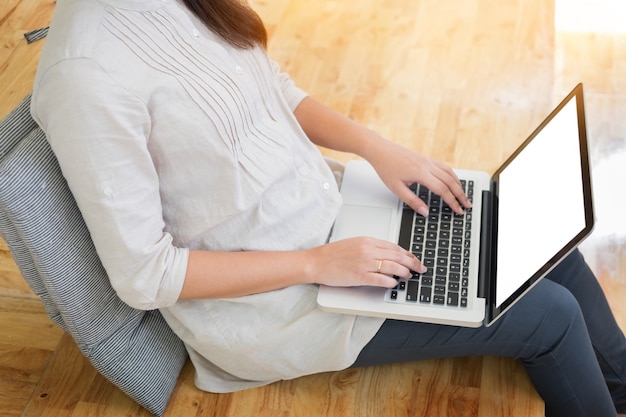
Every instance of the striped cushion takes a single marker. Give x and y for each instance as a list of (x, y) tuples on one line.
[(16, 126), (39, 219)]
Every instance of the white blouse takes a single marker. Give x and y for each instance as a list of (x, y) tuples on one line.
[(170, 140)]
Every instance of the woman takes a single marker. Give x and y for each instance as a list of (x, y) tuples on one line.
[(194, 164)]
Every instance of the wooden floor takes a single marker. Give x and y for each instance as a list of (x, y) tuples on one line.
[(464, 81)]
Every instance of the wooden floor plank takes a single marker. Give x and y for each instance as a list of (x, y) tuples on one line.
[(27, 342)]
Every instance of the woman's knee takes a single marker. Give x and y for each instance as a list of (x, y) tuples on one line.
[(551, 315)]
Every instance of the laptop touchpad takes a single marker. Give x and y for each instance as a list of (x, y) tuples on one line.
[(357, 220)]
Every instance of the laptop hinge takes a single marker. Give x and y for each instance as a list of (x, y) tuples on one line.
[(487, 244)]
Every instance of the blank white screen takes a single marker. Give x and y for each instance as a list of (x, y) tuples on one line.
[(541, 203)]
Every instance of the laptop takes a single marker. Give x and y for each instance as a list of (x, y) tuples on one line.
[(525, 218)]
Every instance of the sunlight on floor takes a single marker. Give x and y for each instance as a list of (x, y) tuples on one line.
[(600, 16), (598, 61), (610, 201)]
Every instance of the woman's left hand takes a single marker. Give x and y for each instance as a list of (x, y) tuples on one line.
[(400, 167)]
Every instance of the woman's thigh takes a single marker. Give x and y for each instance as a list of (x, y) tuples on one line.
[(546, 330), (523, 332)]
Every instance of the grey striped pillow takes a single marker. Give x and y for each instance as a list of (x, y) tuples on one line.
[(136, 350)]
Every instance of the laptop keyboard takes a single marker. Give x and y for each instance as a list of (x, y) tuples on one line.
[(442, 242)]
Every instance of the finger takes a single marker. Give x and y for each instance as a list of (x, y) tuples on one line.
[(381, 280), (393, 269), (399, 262), (455, 186), (410, 198), (451, 200), (394, 252), (380, 274), (449, 188)]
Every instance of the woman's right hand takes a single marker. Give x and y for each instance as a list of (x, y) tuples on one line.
[(345, 263), (362, 261)]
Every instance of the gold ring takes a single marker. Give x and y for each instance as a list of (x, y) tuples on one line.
[(380, 266)]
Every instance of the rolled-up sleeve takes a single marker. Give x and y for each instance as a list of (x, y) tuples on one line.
[(99, 133), (292, 93)]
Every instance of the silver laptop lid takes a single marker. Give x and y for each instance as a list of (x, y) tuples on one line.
[(543, 204)]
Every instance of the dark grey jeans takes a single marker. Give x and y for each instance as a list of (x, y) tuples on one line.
[(562, 331)]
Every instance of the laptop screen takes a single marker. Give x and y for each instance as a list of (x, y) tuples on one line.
[(544, 201)]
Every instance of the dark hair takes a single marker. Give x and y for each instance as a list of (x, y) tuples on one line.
[(233, 20)]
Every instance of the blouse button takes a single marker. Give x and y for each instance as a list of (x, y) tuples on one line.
[(195, 33), (326, 186), (107, 191), (239, 70)]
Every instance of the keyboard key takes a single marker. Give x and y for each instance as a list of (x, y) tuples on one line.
[(453, 299), (412, 288), (425, 295)]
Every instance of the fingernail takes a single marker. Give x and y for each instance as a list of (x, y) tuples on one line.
[(423, 211)]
